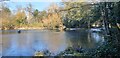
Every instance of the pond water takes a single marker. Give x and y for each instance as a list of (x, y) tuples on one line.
[(29, 41)]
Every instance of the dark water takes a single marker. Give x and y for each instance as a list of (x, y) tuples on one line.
[(29, 41)]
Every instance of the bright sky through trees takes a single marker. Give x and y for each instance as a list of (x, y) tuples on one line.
[(37, 4)]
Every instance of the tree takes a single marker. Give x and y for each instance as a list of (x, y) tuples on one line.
[(75, 13), (116, 15), (53, 19), (20, 18), (29, 10), (42, 14), (35, 15), (5, 17)]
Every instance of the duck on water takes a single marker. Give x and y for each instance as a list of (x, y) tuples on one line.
[(19, 31)]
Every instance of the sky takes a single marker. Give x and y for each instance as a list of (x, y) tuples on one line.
[(36, 4)]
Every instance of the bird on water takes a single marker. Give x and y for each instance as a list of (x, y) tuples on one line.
[(19, 31)]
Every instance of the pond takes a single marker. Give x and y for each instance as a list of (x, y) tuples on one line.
[(28, 42)]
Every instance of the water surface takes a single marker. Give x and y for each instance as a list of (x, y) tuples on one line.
[(29, 41)]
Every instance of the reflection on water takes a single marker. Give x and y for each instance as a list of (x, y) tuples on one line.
[(29, 41)]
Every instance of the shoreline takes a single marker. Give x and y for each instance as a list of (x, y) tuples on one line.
[(23, 28), (30, 28), (45, 28)]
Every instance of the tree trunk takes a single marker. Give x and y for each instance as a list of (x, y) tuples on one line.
[(106, 19)]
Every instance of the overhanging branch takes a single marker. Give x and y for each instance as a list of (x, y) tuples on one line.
[(76, 7)]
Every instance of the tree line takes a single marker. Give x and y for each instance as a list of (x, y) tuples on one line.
[(68, 14)]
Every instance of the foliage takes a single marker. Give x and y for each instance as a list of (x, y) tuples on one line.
[(20, 18), (70, 14), (53, 19), (75, 14), (5, 18)]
